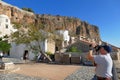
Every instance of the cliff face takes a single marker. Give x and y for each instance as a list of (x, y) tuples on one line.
[(74, 25)]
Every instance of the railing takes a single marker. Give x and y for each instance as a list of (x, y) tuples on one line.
[(114, 56), (114, 72)]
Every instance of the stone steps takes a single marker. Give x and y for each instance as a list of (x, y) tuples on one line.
[(7, 67), (10, 70)]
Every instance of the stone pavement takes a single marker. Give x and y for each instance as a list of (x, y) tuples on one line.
[(84, 73)]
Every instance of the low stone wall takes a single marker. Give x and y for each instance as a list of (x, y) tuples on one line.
[(67, 58), (7, 66), (75, 60), (62, 58), (58, 57), (14, 60)]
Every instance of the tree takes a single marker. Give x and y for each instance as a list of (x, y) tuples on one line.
[(4, 45), (28, 9), (27, 35)]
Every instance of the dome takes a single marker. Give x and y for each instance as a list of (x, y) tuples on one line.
[(3, 16)]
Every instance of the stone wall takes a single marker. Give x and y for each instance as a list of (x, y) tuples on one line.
[(51, 46)]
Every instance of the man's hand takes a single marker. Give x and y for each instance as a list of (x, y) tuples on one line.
[(90, 55)]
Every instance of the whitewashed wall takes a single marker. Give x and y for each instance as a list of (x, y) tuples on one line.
[(5, 26), (17, 51), (64, 33)]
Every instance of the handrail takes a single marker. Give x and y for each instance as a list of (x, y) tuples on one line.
[(114, 72)]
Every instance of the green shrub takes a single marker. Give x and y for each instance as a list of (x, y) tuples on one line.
[(48, 53), (74, 49), (4, 46)]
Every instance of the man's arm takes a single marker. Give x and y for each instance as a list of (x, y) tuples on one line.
[(90, 55)]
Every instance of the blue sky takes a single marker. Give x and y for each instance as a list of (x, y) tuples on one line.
[(103, 13)]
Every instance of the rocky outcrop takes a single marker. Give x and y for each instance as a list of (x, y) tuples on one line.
[(48, 22)]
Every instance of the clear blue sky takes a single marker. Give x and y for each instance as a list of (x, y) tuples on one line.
[(103, 13)]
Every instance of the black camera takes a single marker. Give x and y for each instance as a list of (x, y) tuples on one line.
[(96, 48)]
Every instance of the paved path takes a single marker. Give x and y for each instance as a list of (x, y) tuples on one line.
[(49, 71), (84, 73)]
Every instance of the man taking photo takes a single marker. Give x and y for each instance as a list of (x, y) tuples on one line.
[(103, 62)]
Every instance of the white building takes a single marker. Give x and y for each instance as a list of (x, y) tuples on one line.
[(65, 35), (18, 51), (5, 26)]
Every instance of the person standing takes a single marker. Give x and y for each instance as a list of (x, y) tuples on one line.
[(1, 56), (103, 63), (39, 57), (26, 55)]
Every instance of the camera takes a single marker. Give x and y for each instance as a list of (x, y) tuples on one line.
[(96, 48)]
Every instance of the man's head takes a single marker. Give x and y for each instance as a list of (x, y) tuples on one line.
[(105, 49)]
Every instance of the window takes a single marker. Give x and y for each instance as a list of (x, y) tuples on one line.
[(6, 26), (6, 20)]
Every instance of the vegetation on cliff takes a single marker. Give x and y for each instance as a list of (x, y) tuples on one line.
[(28, 9)]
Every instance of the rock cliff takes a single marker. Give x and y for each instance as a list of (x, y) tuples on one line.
[(49, 22)]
